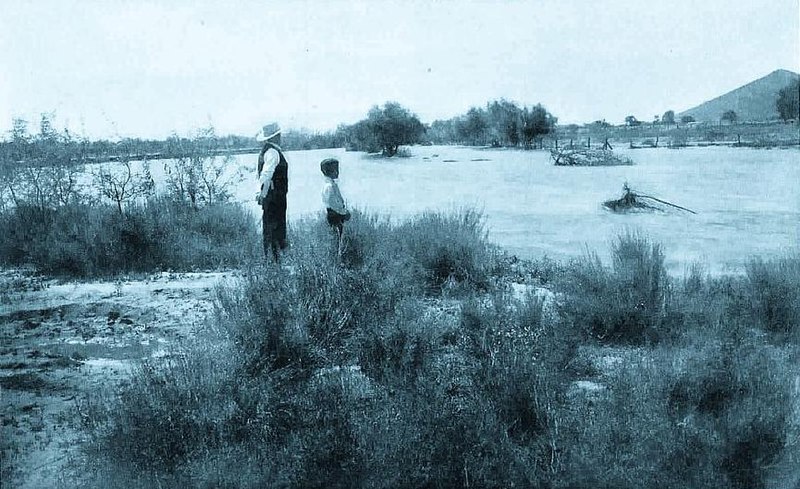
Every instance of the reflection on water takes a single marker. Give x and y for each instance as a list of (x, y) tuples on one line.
[(747, 201)]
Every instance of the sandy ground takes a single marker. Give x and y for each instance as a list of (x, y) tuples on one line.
[(61, 341)]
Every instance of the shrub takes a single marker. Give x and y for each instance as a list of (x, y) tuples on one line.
[(336, 369), (346, 371), (773, 289), (450, 248), (627, 304), (256, 316), (90, 240), (709, 415)]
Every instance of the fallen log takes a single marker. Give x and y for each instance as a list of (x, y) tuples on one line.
[(633, 201)]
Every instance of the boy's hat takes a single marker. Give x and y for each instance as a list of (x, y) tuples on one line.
[(328, 164), (268, 132)]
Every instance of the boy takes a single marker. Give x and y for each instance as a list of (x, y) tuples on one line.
[(337, 212)]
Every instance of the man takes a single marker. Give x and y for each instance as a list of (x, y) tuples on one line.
[(273, 177)]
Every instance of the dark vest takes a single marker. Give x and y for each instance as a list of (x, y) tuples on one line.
[(280, 178)]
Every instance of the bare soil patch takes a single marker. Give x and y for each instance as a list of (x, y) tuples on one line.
[(61, 342)]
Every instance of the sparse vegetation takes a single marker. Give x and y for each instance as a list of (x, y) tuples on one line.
[(83, 240), (50, 220), (385, 369)]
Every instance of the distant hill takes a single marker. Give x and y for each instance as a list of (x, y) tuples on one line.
[(752, 102)]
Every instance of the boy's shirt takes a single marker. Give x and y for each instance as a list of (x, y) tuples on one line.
[(332, 197)]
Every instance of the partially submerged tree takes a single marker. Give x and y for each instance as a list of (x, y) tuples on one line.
[(473, 127), (393, 125), (506, 122), (536, 122)]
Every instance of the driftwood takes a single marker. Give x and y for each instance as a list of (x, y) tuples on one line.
[(588, 157), (633, 201)]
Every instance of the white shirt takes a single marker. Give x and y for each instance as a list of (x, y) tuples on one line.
[(332, 197), (271, 160)]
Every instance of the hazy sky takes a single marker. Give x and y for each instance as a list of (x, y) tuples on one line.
[(139, 68)]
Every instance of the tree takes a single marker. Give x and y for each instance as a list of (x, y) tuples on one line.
[(668, 117), (473, 127), (632, 121), (442, 132), (536, 121), (788, 101), (686, 119), (729, 116), (394, 125), (505, 119)]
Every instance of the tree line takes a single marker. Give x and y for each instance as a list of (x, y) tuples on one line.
[(387, 127), (384, 129)]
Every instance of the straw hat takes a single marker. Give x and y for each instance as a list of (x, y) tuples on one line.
[(268, 132)]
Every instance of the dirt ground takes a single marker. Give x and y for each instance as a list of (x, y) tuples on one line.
[(61, 341)]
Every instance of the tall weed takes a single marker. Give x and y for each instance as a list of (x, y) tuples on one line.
[(774, 288), (625, 304)]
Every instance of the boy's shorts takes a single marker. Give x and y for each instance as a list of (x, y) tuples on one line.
[(336, 219)]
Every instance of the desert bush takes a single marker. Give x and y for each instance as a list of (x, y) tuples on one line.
[(773, 290), (93, 239), (625, 304), (451, 248), (477, 399), (348, 373), (713, 414), (435, 250), (256, 316), (9, 469)]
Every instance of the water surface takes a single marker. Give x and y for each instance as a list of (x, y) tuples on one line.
[(747, 200)]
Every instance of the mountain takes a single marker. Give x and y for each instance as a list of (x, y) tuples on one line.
[(752, 102)]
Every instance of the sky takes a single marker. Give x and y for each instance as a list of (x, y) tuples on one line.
[(133, 68)]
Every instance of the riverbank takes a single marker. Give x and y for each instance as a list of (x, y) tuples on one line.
[(423, 356)]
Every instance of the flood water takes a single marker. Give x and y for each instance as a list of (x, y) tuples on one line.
[(747, 200)]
